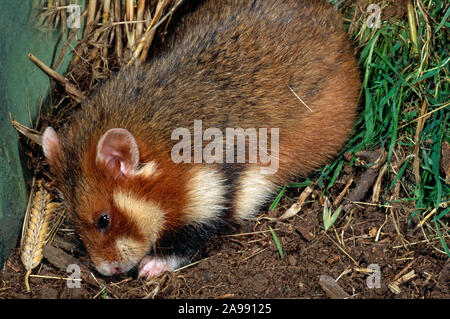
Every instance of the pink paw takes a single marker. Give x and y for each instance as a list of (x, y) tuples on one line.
[(152, 266)]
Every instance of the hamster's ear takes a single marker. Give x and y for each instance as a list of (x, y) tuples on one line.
[(117, 153), (52, 148)]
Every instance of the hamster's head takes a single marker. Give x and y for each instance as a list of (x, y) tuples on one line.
[(106, 192)]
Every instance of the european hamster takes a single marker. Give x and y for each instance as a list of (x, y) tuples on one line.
[(165, 155)]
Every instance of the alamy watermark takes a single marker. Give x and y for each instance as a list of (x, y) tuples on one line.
[(374, 279), (73, 19), (74, 278), (74, 11), (227, 147), (374, 20)]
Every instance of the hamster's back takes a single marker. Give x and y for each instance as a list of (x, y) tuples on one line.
[(276, 64)]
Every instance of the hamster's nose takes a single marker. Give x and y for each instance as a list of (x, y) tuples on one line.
[(109, 268)]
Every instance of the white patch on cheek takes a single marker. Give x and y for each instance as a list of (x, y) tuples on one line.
[(149, 219), (147, 215)]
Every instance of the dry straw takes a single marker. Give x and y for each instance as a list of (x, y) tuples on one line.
[(38, 227)]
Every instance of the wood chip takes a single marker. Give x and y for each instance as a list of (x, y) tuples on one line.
[(373, 231), (61, 260), (332, 289), (395, 286), (377, 186), (367, 179), (401, 278), (306, 232), (67, 246)]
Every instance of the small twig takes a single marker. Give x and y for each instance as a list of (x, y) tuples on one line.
[(414, 243), (191, 264), (338, 199), (346, 271), (225, 296), (372, 204), (70, 89), (248, 234), (56, 278), (381, 227), (395, 285), (33, 135), (254, 254), (404, 270), (50, 72), (61, 260), (343, 250), (425, 115), (420, 224), (148, 38), (152, 294), (113, 24), (419, 128)]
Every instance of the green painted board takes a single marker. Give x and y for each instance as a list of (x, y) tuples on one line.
[(22, 87)]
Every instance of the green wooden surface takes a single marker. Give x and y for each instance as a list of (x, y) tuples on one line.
[(22, 87)]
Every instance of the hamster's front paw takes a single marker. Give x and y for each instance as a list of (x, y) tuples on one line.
[(152, 266)]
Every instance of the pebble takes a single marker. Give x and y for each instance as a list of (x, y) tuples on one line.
[(292, 260)]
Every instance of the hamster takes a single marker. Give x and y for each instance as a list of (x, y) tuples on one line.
[(138, 166)]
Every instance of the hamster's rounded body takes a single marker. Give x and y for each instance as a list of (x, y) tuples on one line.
[(285, 66)]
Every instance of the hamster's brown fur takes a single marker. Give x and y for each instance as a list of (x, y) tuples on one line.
[(252, 64)]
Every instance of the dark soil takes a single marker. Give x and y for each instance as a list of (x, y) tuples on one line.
[(247, 264)]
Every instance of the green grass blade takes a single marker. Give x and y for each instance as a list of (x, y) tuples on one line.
[(277, 242), (443, 243), (277, 199)]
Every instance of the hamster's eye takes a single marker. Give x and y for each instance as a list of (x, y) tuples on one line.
[(103, 221)]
